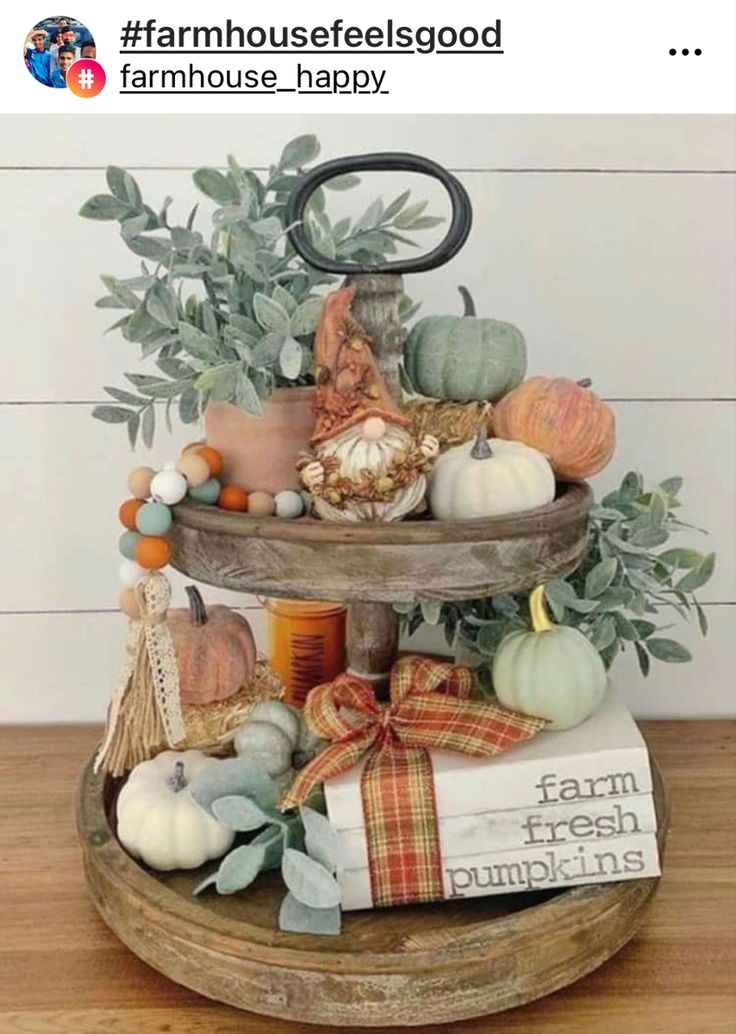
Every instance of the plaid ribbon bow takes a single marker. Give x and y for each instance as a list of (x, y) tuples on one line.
[(429, 708)]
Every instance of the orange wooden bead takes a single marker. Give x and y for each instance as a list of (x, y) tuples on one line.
[(153, 552), (213, 459), (233, 498), (127, 513)]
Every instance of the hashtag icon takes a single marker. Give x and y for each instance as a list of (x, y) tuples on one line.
[(86, 79), (131, 34)]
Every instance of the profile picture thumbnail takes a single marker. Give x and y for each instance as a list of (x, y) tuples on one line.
[(53, 45)]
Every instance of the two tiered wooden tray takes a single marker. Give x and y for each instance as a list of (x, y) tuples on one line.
[(392, 967)]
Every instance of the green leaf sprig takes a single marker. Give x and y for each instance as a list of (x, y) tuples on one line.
[(242, 796), (623, 585), (230, 315)]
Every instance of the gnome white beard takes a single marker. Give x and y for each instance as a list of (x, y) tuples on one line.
[(358, 454)]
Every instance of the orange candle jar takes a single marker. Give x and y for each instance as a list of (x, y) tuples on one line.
[(306, 644)]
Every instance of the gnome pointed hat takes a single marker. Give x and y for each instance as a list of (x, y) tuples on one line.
[(350, 387)]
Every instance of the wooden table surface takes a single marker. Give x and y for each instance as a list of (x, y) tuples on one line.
[(61, 970)]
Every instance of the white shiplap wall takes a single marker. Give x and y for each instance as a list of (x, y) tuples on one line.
[(609, 241)]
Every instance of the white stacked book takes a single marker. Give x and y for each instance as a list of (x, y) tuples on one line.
[(562, 809)]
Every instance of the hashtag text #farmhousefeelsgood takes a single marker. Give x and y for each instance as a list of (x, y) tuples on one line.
[(337, 38)]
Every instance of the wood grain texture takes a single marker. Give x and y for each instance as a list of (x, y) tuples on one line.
[(382, 562), (63, 972), (643, 267), (532, 143), (371, 640), (93, 645), (376, 308)]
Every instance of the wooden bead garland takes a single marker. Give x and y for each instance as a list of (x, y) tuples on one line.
[(147, 517)]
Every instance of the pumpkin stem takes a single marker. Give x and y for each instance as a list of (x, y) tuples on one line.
[(467, 302), (177, 781), (197, 609), (538, 611), (481, 449), (585, 382)]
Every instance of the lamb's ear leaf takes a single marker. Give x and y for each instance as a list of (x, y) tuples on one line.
[(308, 881), (238, 869), (208, 881), (272, 839), (320, 838), (296, 917), (239, 813)]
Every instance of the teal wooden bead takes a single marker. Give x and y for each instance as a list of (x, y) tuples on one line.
[(127, 543), (153, 519), (206, 493)]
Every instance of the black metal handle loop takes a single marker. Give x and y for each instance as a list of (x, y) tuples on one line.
[(389, 161)]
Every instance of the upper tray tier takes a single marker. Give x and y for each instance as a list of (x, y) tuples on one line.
[(381, 562)]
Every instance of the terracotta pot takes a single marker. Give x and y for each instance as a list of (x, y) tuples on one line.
[(260, 453)]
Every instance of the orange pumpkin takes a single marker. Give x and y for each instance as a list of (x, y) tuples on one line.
[(563, 419), (215, 650)]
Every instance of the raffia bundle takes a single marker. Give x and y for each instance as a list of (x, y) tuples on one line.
[(450, 422), (208, 727)]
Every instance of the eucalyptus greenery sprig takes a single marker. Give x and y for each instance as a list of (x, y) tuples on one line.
[(241, 795), (621, 586), (245, 324)]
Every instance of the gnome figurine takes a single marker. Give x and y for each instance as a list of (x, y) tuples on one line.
[(365, 464)]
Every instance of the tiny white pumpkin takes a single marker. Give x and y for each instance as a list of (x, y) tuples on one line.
[(158, 819), (552, 672), (483, 478)]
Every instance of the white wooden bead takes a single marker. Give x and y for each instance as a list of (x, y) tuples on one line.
[(131, 573), (169, 487)]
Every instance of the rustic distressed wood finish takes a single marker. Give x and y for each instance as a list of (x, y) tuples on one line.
[(377, 562), (399, 967), (373, 565), (372, 642), (376, 308)]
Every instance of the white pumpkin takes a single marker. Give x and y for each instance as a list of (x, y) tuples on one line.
[(485, 478), (552, 672), (160, 822)]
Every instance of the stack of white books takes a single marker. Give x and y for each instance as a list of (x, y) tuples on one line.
[(561, 809)]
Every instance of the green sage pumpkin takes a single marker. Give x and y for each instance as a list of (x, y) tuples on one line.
[(464, 358), (552, 672)]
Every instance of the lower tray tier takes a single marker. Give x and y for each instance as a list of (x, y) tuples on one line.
[(390, 967)]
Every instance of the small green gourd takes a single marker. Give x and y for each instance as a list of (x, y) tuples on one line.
[(276, 735), (464, 358), (552, 672)]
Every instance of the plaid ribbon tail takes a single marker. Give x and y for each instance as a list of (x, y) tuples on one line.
[(404, 858)]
